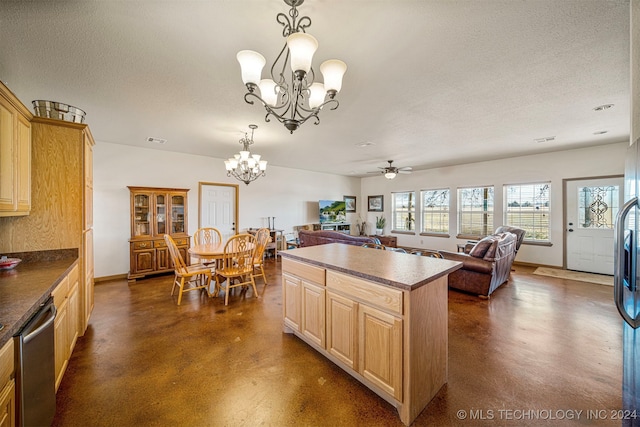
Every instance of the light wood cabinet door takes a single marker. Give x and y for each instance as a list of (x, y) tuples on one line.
[(8, 405), (88, 182), (23, 173), (342, 321), (7, 386), (380, 349), (61, 338), (73, 311), (87, 292), (292, 304), (15, 158), (7, 156), (313, 313)]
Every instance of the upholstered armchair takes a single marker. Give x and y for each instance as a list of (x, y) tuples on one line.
[(519, 232), (486, 266)]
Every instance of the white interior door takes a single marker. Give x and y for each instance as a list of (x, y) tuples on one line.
[(592, 206), (218, 208)]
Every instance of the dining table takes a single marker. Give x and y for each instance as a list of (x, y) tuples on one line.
[(211, 252)]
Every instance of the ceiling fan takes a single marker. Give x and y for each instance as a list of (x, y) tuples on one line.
[(391, 171)]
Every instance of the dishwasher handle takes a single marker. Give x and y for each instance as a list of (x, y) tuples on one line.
[(41, 321)]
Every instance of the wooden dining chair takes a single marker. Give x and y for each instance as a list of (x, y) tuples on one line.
[(187, 277), (236, 268), (263, 237), (207, 236)]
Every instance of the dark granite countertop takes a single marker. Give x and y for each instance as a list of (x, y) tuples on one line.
[(395, 269), (28, 285)]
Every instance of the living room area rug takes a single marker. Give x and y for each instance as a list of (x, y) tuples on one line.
[(600, 279)]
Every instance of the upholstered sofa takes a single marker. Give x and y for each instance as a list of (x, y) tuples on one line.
[(486, 266), (323, 237)]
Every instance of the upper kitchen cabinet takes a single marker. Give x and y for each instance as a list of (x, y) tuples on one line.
[(15, 155)]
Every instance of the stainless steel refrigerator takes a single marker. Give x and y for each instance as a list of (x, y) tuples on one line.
[(626, 283)]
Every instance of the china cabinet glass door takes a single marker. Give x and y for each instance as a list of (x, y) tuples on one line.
[(141, 215), (161, 214), (177, 214)]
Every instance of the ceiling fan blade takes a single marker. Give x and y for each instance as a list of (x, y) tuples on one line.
[(406, 168), (404, 171)]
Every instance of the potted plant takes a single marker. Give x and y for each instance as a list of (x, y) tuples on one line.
[(380, 223)]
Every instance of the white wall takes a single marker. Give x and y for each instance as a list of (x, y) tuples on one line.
[(587, 162), (292, 195), (289, 195)]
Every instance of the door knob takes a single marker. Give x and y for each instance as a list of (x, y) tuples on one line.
[(571, 229)]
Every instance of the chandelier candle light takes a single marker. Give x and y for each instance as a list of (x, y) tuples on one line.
[(286, 100), (245, 166)]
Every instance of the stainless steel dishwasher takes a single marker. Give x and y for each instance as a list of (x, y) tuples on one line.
[(35, 369)]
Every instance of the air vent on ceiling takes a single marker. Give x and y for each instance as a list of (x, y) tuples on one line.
[(156, 140), (603, 107), (545, 139)]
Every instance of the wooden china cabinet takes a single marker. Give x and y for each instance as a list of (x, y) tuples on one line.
[(154, 213)]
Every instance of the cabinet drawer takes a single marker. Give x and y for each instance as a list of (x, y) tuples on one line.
[(142, 245), (305, 271), (61, 291), (163, 244), (380, 296), (6, 363), (73, 276)]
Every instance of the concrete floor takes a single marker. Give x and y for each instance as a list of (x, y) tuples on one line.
[(536, 353)]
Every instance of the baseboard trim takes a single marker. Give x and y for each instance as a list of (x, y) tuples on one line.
[(533, 264), (97, 280)]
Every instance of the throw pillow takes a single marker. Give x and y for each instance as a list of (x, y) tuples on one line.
[(480, 249)]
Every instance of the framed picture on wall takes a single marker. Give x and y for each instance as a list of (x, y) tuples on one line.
[(350, 203), (376, 204)]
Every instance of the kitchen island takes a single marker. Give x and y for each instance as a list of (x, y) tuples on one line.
[(379, 315)]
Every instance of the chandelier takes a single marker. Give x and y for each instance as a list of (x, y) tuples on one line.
[(301, 98), (245, 166)]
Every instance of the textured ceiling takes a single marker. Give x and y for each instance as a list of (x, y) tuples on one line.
[(429, 83)]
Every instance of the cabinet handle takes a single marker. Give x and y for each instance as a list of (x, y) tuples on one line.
[(143, 245)]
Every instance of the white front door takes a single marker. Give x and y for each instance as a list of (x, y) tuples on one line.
[(592, 206), (218, 204)]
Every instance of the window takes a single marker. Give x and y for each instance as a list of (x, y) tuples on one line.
[(435, 211), (475, 212), (527, 206), (403, 211), (598, 206)]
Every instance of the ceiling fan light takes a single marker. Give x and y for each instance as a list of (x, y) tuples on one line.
[(302, 47), (251, 64), (269, 92), (390, 175), (317, 94), (333, 70)]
